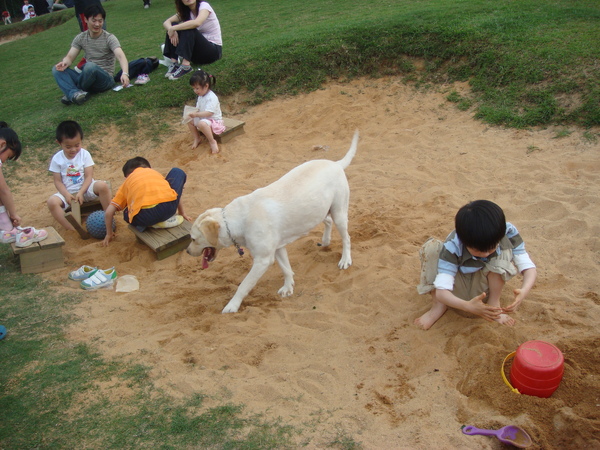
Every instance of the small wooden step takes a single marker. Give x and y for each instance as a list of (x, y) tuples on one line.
[(233, 128), (165, 241)]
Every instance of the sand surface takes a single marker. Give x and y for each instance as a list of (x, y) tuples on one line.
[(341, 357)]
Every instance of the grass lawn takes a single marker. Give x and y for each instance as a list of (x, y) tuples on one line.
[(528, 63)]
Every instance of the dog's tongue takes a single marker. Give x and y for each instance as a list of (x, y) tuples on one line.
[(205, 258)]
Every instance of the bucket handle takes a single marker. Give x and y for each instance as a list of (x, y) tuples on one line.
[(510, 355)]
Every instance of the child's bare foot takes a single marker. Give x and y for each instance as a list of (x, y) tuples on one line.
[(426, 321), (505, 319), (196, 143), (214, 148)]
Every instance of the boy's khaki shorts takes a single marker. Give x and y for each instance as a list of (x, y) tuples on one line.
[(466, 286)]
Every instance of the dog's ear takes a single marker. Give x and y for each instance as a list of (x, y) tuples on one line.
[(210, 229)]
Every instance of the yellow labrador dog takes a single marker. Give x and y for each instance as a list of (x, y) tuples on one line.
[(269, 218)]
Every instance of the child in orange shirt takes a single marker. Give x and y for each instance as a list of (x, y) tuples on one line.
[(146, 197)]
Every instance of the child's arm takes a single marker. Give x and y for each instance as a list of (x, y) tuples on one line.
[(473, 306), (88, 176), (60, 186), (202, 114), (7, 200), (108, 219), (529, 277), (181, 211)]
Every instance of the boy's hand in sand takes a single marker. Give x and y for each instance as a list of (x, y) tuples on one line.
[(109, 236), (519, 297), (487, 312), (529, 277)]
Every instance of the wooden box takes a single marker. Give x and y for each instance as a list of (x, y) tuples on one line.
[(41, 256), (233, 128), (165, 241)]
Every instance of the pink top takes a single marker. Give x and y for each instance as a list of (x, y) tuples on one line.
[(210, 28)]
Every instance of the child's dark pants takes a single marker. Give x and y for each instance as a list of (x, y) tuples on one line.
[(161, 212)]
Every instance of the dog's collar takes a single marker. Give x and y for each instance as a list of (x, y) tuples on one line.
[(240, 250)]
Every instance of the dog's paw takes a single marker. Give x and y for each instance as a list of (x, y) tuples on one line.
[(229, 308), (345, 263), (286, 291)]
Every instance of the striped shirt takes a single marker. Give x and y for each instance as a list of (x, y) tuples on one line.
[(99, 50), (455, 257)]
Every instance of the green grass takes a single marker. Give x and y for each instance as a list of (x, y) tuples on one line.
[(527, 62), (532, 62)]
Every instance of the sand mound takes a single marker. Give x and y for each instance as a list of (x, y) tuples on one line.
[(342, 353)]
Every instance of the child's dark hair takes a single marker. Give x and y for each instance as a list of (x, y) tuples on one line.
[(135, 163), (12, 140), (68, 129), (202, 78), (94, 10), (480, 225)]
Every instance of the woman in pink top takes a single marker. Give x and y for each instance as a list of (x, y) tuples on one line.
[(194, 35)]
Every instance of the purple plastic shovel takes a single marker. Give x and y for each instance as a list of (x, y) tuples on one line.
[(510, 434)]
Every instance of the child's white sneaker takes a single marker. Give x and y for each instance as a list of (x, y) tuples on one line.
[(101, 278), (9, 236), (142, 79), (27, 236), (83, 273), (171, 222)]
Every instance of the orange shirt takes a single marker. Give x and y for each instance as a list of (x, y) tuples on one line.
[(143, 187)]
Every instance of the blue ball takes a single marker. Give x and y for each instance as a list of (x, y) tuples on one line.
[(2, 331), (95, 225)]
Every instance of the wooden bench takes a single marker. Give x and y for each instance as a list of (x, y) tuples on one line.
[(233, 128), (165, 241), (41, 256)]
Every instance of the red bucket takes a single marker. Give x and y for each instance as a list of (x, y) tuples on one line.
[(537, 368)]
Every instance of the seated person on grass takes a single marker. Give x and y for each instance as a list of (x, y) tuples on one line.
[(146, 198), (101, 49), (477, 258), (73, 170)]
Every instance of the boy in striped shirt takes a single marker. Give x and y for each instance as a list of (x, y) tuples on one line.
[(469, 269)]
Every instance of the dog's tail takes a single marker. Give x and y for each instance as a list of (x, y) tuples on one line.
[(346, 160)]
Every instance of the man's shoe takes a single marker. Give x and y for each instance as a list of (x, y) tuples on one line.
[(181, 71), (80, 97), (65, 100)]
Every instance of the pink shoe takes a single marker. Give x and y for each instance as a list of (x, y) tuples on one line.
[(28, 236), (9, 236)]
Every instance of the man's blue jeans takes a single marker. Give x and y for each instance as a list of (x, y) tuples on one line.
[(91, 79)]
